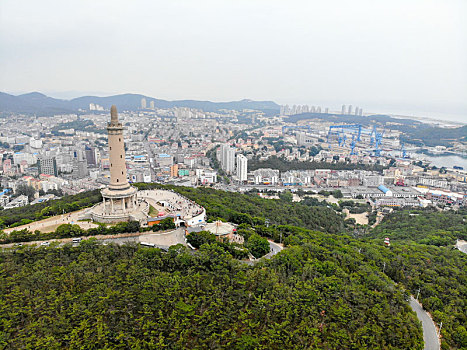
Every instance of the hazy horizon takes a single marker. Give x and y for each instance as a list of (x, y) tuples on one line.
[(372, 109), (393, 57)]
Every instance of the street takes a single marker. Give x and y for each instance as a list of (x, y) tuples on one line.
[(430, 336), (274, 249)]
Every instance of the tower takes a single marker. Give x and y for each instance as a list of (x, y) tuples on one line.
[(118, 179), (119, 199)]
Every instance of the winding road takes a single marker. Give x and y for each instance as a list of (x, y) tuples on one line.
[(274, 249), (430, 334)]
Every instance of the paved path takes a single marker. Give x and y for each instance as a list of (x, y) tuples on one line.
[(163, 239), (275, 248), (51, 224), (462, 246), (430, 335)]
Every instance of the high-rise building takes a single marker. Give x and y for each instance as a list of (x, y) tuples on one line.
[(143, 103), (349, 110), (227, 158), (343, 109), (80, 165), (242, 167), (151, 104), (47, 165), (91, 155), (285, 110)]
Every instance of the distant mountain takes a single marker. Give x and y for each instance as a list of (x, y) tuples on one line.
[(33, 103), (40, 104)]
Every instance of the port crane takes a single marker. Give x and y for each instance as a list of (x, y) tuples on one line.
[(403, 151)]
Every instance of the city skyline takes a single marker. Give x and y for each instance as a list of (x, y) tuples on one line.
[(303, 53)]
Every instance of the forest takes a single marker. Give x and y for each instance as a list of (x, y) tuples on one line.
[(74, 230), (319, 294), (326, 290), (24, 215), (425, 226), (251, 209)]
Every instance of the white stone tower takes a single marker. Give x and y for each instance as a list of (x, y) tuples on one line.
[(120, 201), (118, 179)]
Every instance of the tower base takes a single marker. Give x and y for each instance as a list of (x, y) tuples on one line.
[(118, 206)]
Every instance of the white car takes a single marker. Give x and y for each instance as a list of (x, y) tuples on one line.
[(45, 244)]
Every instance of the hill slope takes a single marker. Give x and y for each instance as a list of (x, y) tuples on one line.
[(40, 104)]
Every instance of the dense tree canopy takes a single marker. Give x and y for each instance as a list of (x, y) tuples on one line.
[(326, 290), (23, 215), (251, 209), (315, 295), (258, 245), (427, 226)]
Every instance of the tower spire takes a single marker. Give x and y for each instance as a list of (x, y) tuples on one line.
[(113, 115)]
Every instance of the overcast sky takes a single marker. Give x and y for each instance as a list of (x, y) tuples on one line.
[(389, 56)]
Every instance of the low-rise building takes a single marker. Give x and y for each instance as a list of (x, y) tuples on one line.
[(20, 201)]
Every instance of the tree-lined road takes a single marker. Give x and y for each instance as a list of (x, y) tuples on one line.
[(430, 334), (274, 249)]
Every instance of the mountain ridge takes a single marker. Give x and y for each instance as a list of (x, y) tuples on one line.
[(41, 104)]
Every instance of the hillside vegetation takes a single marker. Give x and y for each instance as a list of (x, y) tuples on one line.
[(426, 226), (326, 290), (253, 210), (24, 215), (319, 294)]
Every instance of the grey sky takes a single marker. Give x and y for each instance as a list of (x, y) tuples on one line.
[(393, 55)]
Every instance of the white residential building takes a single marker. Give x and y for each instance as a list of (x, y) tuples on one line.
[(227, 158), (242, 167)]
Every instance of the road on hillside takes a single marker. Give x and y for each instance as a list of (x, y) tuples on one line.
[(274, 249), (163, 240), (430, 335)]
